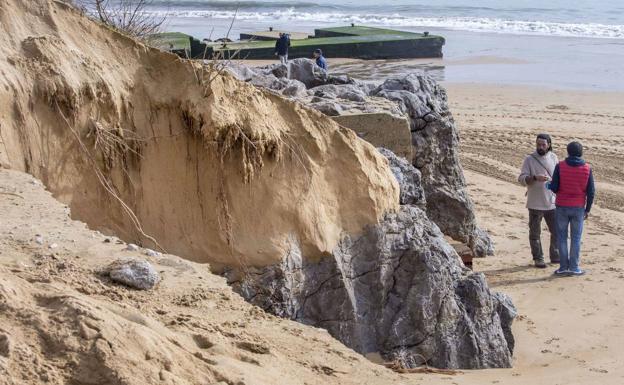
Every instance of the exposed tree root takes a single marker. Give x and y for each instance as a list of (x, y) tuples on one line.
[(105, 183)]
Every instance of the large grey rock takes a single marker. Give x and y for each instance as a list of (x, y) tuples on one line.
[(294, 89), (507, 312), (398, 289), (135, 273), (240, 71), (270, 82), (340, 79), (436, 154), (411, 191), (279, 70), (307, 72), (354, 96), (328, 108)]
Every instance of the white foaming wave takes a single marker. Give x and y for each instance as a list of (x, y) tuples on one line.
[(473, 24)]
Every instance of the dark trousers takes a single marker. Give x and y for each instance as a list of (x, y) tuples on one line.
[(535, 232)]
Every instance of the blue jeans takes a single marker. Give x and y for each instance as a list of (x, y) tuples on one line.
[(571, 218)]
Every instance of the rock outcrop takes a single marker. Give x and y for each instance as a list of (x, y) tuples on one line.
[(435, 138), (435, 142), (398, 289)]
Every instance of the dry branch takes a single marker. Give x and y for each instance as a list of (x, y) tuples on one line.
[(131, 17)]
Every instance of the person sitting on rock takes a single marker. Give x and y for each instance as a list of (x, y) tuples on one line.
[(281, 47), (320, 59), (537, 170), (573, 182)]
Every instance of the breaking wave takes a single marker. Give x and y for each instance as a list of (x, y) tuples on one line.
[(250, 4), (474, 24)]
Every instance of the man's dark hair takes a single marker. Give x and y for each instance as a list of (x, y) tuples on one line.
[(318, 50), (575, 149), (547, 138)]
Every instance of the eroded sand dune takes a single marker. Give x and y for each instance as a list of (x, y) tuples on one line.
[(178, 143)]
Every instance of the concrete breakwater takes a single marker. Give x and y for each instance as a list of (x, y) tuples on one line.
[(352, 42)]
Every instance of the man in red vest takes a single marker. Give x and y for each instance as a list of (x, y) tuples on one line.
[(573, 182)]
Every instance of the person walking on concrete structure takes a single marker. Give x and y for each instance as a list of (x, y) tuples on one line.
[(573, 182), (281, 47), (537, 170)]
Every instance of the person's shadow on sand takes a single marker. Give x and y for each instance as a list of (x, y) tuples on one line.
[(496, 277)]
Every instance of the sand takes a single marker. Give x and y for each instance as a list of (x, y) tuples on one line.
[(498, 126), (569, 329)]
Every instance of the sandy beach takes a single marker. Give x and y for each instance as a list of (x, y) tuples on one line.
[(567, 331)]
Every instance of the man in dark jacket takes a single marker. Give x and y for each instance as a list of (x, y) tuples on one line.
[(573, 182), (281, 47), (320, 59)]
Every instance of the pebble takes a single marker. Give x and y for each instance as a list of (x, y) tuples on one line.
[(5, 345), (152, 253), (39, 239), (53, 246), (132, 247)]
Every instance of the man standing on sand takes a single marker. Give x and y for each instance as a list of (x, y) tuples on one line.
[(573, 182), (537, 170), (281, 47)]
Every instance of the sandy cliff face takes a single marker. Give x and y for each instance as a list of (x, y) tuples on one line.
[(215, 170)]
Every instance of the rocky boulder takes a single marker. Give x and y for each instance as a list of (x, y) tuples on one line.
[(435, 141), (294, 89), (303, 70), (135, 273), (240, 71), (399, 289), (409, 179)]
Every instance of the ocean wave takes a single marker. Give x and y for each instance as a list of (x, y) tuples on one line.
[(474, 24), (245, 4)]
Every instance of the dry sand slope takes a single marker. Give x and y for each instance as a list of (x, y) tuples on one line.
[(61, 322), (569, 330)]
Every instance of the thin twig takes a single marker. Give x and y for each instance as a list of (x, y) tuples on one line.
[(12, 194)]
